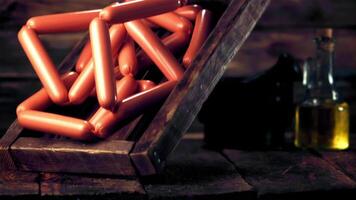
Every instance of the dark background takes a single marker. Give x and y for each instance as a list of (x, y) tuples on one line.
[(287, 27)]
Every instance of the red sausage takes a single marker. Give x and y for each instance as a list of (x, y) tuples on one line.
[(104, 67), (62, 23), (200, 34), (144, 85), (174, 42), (154, 48), (86, 82), (40, 100), (127, 58), (56, 124), (149, 24), (131, 107), (43, 65), (117, 73), (84, 57), (172, 22), (126, 87), (190, 12), (137, 9)]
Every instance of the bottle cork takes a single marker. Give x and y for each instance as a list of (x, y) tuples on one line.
[(325, 32)]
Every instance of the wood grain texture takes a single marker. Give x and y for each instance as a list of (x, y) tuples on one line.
[(267, 46), (82, 185), (277, 174), (309, 13), (54, 155), (181, 107), (345, 161), (6, 161), (14, 131), (195, 173), (17, 184)]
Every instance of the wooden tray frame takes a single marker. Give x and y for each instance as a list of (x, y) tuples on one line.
[(147, 155)]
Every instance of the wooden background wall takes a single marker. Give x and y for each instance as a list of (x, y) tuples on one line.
[(287, 26)]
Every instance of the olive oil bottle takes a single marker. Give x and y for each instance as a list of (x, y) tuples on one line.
[(322, 119)]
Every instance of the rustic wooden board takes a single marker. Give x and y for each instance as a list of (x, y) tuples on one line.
[(267, 46), (15, 183), (6, 161), (309, 13), (14, 131), (53, 155), (82, 185), (193, 173), (285, 174), (181, 107), (345, 161)]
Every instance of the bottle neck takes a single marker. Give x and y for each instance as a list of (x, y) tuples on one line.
[(318, 73)]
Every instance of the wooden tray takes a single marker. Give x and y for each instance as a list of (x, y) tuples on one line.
[(141, 147)]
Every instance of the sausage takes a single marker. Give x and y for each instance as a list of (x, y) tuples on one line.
[(200, 34), (117, 73), (131, 107), (190, 12), (137, 9), (126, 87), (84, 57), (104, 67), (86, 82), (43, 65), (144, 85), (149, 24), (174, 42), (56, 124), (62, 23), (127, 58), (172, 22), (155, 49), (40, 100)]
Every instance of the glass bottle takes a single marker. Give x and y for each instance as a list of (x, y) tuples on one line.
[(322, 119)]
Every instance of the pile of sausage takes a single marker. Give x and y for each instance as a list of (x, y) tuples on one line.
[(109, 63)]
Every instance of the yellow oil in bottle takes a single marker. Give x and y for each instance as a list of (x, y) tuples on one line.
[(323, 126)]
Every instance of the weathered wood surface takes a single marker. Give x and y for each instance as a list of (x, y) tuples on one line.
[(309, 13), (82, 185), (185, 101), (193, 172), (344, 160), (15, 183), (53, 155), (267, 46), (15, 129), (6, 161), (280, 174), (51, 149)]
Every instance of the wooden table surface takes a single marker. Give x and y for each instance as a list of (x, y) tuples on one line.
[(193, 172)]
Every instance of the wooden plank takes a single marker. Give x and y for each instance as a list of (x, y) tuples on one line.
[(6, 162), (309, 13), (55, 155), (15, 129), (343, 160), (181, 107), (94, 186), (195, 173), (15, 183), (285, 174), (267, 46)]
